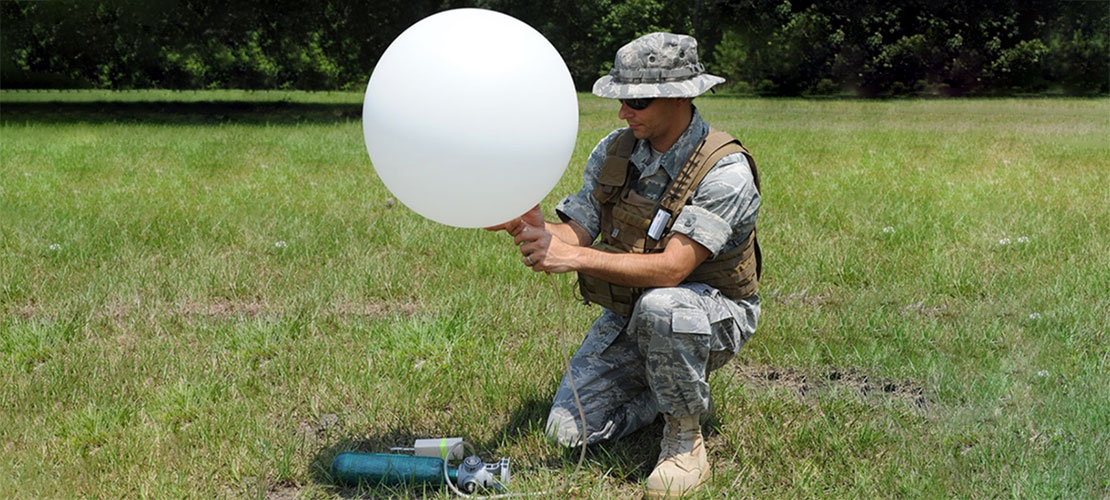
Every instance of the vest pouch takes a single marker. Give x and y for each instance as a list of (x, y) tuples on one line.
[(616, 298), (611, 179), (634, 211), (629, 221)]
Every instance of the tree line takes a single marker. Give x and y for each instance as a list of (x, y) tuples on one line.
[(769, 47)]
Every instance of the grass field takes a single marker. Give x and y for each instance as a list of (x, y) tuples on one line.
[(211, 294)]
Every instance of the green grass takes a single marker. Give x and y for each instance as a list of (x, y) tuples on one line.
[(211, 294)]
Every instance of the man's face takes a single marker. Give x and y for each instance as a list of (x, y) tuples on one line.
[(657, 121)]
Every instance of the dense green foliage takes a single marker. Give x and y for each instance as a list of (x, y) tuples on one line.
[(768, 46), (913, 47)]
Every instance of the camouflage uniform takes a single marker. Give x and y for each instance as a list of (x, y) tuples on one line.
[(658, 360)]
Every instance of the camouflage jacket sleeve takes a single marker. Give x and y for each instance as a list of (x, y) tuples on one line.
[(722, 212), (582, 207)]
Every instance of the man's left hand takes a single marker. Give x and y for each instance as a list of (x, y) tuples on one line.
[(543, 252), (532, 218)]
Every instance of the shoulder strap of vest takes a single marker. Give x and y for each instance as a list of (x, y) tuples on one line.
[(755, 239), (755, 171), (755, 178), (614, 172), (715, 146)]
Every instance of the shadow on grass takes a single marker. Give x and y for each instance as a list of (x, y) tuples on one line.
[(628, 459), (177, 112), (320, 467)]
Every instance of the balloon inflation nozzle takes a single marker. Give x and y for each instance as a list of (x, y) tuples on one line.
[(473, 473)]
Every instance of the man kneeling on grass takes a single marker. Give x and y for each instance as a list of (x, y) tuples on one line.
[(674, 203)]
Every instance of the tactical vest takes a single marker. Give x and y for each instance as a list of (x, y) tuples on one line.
[(627, 216)]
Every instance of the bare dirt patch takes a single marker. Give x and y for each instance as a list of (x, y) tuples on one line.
[(803, 297), (282, 492), (371, 308), (311, 431), (222, 308), (927, 311), (811, 383), (119, 312)]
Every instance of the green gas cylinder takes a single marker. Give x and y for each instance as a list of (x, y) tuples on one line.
[(377, 469)]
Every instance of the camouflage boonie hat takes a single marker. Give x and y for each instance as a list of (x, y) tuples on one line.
[(656, 65)]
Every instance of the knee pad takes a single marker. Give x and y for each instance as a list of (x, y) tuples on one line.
[(563, 428)]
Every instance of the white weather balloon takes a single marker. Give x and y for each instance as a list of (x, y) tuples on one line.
[(470, 117)]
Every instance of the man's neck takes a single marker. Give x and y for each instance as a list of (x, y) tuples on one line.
[(680, 123)]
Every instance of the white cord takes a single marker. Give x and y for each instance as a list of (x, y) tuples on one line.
[(566, 480), (550, 491)]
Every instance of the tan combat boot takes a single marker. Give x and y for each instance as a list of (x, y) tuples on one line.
[(682, 465)]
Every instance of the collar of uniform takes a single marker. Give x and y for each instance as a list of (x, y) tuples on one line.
[(673, 158)]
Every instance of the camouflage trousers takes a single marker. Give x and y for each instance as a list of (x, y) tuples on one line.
[(628, 370)]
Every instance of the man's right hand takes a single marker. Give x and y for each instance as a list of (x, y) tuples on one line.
[(545, 246)]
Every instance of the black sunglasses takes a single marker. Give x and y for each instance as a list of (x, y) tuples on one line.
[(638, 104)]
